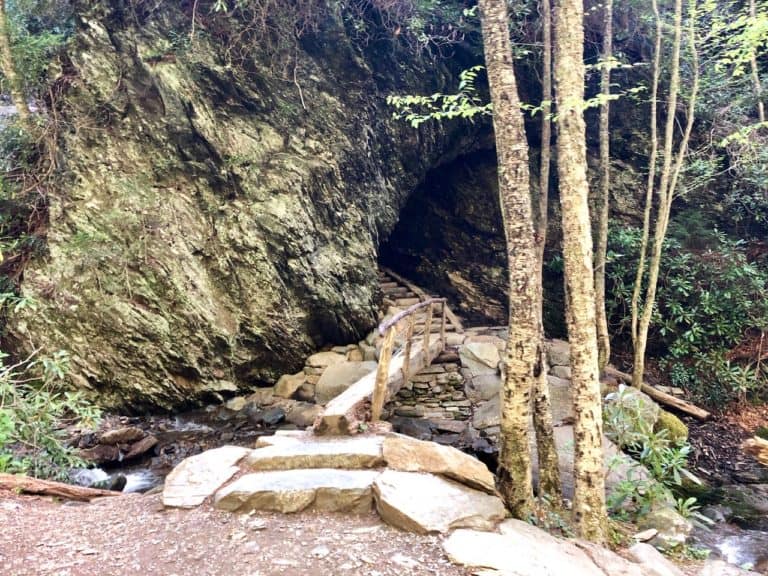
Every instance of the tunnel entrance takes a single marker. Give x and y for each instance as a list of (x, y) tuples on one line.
[(449, 239)]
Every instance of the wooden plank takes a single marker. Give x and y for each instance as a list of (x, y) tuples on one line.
[(344, 415), (662, 397), (416, 290), (29, 485), (382, 375)]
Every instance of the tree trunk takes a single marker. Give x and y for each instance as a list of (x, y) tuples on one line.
[(601, 248), (29, 485), (651, 182), (523, 347), (672, 167), (756, 86), (549, 471), (589, 486), (9, 68)]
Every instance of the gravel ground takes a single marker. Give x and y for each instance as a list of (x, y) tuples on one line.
[(135, 534)]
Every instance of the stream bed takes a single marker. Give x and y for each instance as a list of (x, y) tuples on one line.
[(739, 534)]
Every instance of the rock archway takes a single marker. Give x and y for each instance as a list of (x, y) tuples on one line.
[(449, 238)]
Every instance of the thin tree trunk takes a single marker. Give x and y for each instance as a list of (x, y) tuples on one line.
[(668, 180), (549, 471), (651, 182), (756, 86), (523, 346), (589, 485), (603, 338), (9, 68)]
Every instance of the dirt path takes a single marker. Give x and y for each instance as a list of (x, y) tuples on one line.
[(136, 535)]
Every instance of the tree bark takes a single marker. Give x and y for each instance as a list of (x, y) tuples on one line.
[(589, 485), (756, 85), (603, 207), (673, 163), (9, 68), (549, 470), (651, 182), (524, 344), (50, 488)]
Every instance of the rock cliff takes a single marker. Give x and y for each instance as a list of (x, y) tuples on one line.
[(218, 215)]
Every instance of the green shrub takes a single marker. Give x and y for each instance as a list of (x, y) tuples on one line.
[(707, 302), (665, 459), (34, 409)]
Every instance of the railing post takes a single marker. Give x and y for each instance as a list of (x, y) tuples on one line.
[(382, 375), (442, 325), (408, 343), (427, 330)]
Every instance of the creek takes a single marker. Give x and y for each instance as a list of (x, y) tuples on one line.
[(739, 513)]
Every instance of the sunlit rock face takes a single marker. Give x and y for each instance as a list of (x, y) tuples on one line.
[(217, 221)]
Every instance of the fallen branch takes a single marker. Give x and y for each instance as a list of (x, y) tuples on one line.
[(28, 485), (662, 397)]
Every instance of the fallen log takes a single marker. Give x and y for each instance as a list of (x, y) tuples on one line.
[(757, 448), (28, 485), (662, 397)]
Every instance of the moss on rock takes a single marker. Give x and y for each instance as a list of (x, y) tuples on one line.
[(676, 428)]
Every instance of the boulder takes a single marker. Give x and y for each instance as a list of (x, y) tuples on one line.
[(487, 414), (303, 414), (561, 399), (141, 447), (288, 384), (122, 436), (563, 372), (354, 452), (236, 404), (261, 396), (199, 476), (414, 427), (325, 359), (424, 503), (483, 387), (287, 491), (673, 529), (652, 561), (618, 466), (676, 429), (340, 376), (520, 550), (558, 353), (629, 413), (269, 417), (480, 358), (305, 393), (411, 455)]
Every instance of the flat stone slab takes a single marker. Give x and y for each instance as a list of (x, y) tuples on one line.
[(411, 455), (521, 550), (424, 503), (352, 453), (290, 491), (199, 476)]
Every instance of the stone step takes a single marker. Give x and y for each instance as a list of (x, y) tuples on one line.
[(406, 302), (287, 491), (351, 453)]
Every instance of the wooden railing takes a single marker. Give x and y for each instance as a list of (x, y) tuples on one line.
[(389, 330)]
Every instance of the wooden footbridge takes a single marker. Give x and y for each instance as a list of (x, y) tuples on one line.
[(411, 339)]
